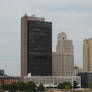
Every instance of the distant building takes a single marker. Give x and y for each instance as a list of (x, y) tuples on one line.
[(87, 55), (36, 46), (52, 81), (63, 58), (2, 73), (8, 80), (77, 70), (86, 78)]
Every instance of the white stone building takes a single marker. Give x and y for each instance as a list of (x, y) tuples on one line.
[(63, 58), (52, 81)]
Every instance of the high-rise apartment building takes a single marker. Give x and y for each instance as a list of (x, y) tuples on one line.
[(63, 58), (87, 55), (36, 46)]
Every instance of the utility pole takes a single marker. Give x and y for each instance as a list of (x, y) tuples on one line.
[(72, 83)]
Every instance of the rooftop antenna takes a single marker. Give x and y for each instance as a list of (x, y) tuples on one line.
[(33, 15), (25, 14)]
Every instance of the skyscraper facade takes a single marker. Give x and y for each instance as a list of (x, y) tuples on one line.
[(87, 55), (36, 46), (63, 58)]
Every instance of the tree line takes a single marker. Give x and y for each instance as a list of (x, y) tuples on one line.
[(22, 86), (32, 87)]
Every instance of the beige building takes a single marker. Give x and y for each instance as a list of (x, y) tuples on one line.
[(87, 55), (63, 58)]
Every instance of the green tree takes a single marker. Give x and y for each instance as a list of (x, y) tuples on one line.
[(10, 87), (5, 87), (13, 87), (90, 85), (65, 85), (41, 87), (60, 86), (21, 86), (75, 84), (31, 86)]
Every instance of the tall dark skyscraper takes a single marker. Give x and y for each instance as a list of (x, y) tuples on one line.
[(36, 46)]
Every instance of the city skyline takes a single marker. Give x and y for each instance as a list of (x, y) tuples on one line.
[(71, 17)]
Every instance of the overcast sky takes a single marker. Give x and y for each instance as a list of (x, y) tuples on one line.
[(74, 17)]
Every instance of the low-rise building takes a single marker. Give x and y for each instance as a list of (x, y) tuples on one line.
[(86, 78), (52, 81), (8, 80)]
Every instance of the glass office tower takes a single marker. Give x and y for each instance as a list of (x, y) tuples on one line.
[(36, 46)]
